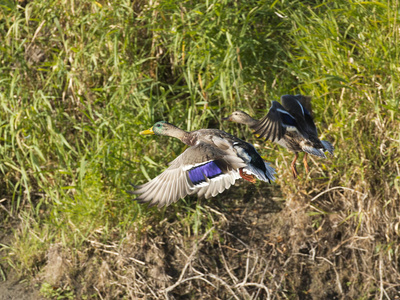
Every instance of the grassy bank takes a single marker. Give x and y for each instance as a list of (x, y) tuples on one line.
[(78, 81)]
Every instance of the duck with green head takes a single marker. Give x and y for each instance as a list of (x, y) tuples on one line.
[(290, 125), (211, 164)]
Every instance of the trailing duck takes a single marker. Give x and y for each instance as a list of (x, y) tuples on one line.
[(290, 125)]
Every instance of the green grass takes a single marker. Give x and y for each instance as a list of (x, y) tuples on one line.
[(78, 81)]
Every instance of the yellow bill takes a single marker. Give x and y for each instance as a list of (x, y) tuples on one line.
[(148, 131)]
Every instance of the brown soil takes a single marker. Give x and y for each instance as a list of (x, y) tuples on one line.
[(14, 287), (18, 289), (257, 247)]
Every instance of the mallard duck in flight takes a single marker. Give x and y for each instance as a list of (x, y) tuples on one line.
[(211, 164), (290, 125)]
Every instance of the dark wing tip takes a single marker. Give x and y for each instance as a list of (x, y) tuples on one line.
[(131, 192), (139, 199), (150, 203), (135, 187)]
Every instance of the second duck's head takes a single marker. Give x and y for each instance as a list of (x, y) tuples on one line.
[(240, 117)]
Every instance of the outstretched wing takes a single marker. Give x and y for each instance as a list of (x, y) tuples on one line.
[(274, 125), (203, 169)]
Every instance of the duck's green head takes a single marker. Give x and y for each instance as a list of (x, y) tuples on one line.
[(159, 128)]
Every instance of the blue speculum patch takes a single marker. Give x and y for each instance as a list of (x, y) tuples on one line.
[(288, 120), (210, 170)]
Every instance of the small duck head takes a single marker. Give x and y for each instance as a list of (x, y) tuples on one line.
[(240, 117), (164, 128), (158, 128)]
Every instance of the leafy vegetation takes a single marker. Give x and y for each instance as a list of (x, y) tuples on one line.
[(80, 79)]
